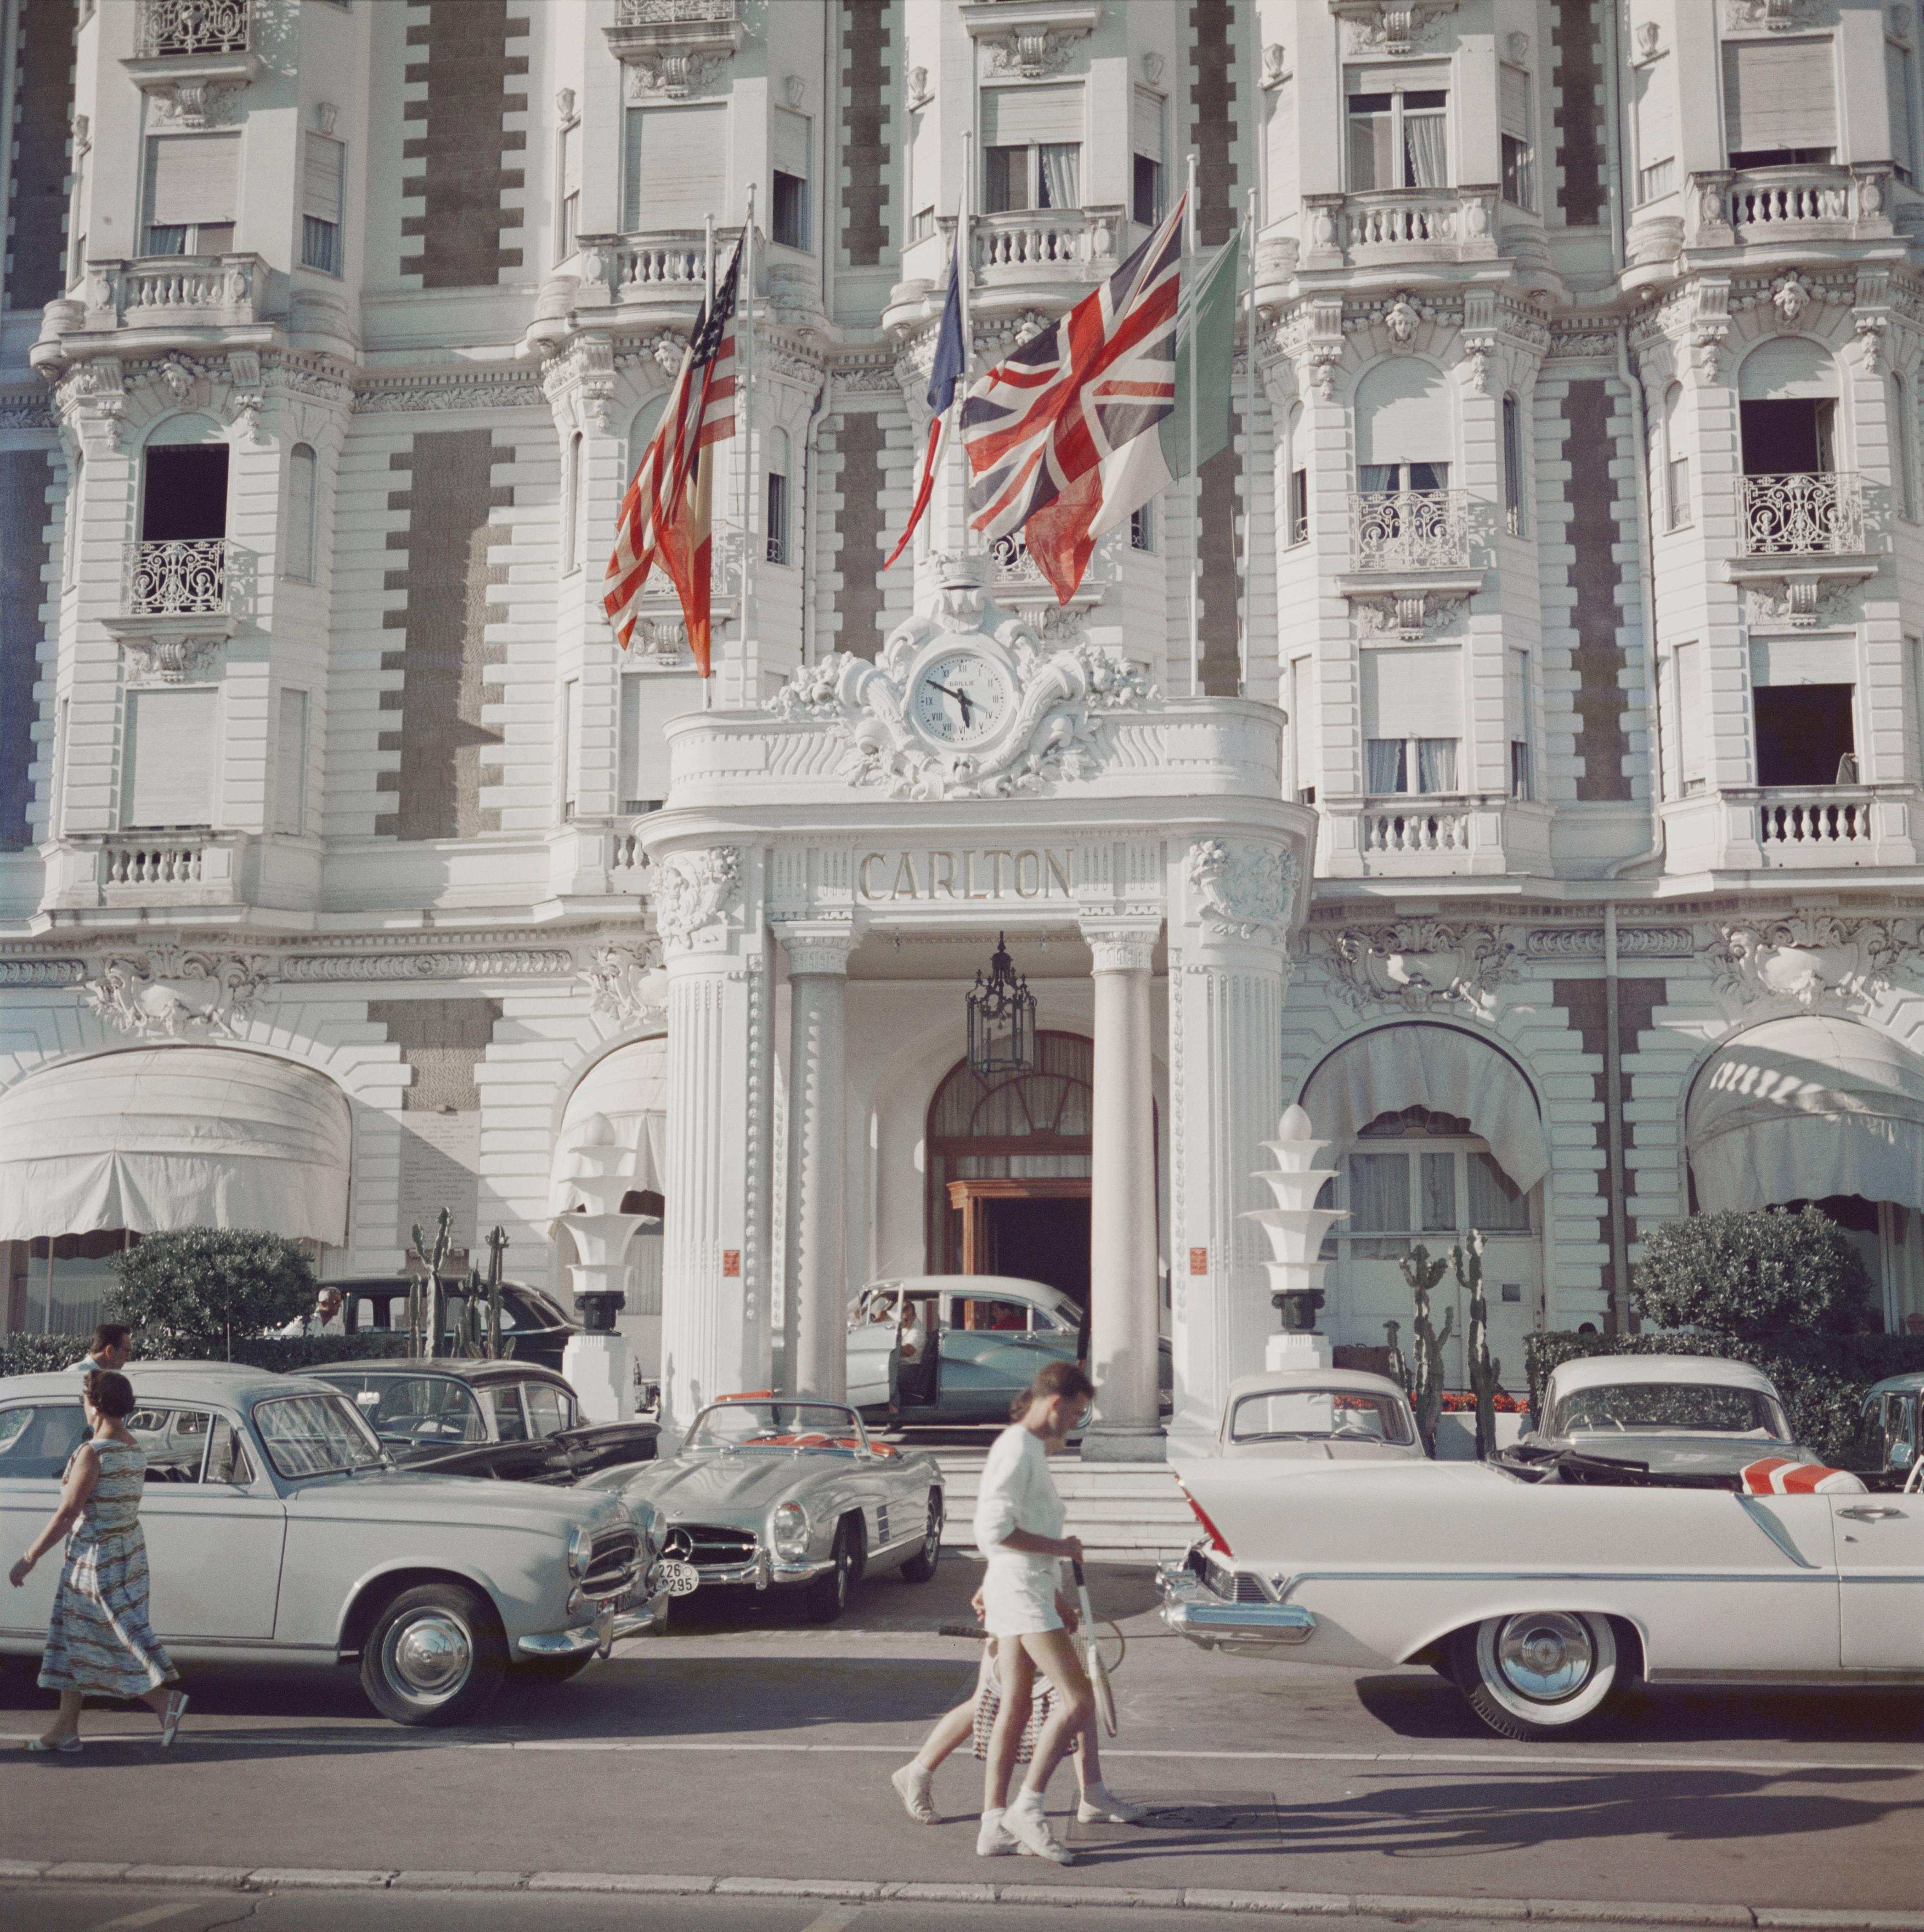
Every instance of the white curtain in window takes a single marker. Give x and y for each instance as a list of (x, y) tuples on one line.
[(1061, 174), (1378, 1194), (1497, 1205), (1435, 764), (1439, 1193), (1385, 760), (1425, 151)]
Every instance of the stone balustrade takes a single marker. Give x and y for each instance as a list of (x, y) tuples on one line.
[(1813, 825), (1075, 244), (1398, 224)]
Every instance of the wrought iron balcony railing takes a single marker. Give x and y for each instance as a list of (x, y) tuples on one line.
[(186, 577), (1809, 514), (671, 12), (182, 29), (1408, 529)]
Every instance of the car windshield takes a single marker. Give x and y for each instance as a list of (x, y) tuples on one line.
[(774, 1425), (1709, 1407), (431, 1410), (315, 1435), (1316, 1414)]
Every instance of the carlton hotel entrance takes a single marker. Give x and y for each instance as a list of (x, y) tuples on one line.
[(833, 871)]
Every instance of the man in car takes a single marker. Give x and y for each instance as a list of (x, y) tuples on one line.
[(113, 1343), (327, 1318)]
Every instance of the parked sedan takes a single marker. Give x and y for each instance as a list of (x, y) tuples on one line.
[(1891, 1415), (1543, 1592), (791, 1493), (278, 1530), (1318, 1415), (534, 1326), (515, 1420)]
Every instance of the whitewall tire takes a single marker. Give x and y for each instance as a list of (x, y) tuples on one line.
[(1540, 1674)]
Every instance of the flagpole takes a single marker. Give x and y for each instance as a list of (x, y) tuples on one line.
[(964, 270), (1249, 461), (1191, 228), (707, 306), (745, 415)]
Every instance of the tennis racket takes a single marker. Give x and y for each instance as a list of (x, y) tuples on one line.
[(1092, 1656)]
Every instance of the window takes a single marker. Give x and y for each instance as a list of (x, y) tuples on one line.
[(1804, 711), (777, 496), (1902, 99), (301, 513), (681, 154), (167, 765), (641, 432), (1142, 527), (36, 1440), (1901, 481), (314, 1436), (1299, 507), (321, 205), (1398, 1195), (70, 535), (1780, 103), (550, 1409), (174, 1441), (184, 493), (1297, 727), (789, 202), (1146, 178), (1677, 464), (1913, 669), (1692, 726), (1412, 713), (1791, 436), (923, 225), (504, 1400), (568, 177), (227, 1459), (191, 189), (291, 778), (1512, 467), (1032, 147), (1517, 703), (648, 704), (1398, 131), (570, 692), (571, 506), (1519, 158), (1654, 121)]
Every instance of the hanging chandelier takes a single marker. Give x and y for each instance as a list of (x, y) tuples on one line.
[(1001, 1018)]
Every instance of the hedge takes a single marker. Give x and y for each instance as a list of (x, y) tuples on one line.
[(28, 1355), (1823, 1380)]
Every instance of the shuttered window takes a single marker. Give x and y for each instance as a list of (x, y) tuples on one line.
[(1147, 125), (1656, 132), (193, 188), (1413, 694), (675, 165), (568, 225), (1514, 97), (1016, 116), (649, 704), (320, 204), (1779, 97), (167, 773), (789, 143), (1897, 90), (290, 765)]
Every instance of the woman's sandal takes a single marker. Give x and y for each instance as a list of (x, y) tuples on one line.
[(170, 1722), (41, 1744)]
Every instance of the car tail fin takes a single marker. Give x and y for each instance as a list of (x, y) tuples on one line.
[(1217, 1540)]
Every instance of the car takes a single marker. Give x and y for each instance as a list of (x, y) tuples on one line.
[(1321, 1415), (1890, 1418), (992, 1332), (279, 1530), (1543, 1592), (779, 1491), (1680, 1412), (534, 1326), (513, 1419)]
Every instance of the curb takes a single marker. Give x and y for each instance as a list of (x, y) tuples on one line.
[(1191, 1898)]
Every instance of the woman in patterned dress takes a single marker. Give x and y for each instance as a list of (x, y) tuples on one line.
[(100, 1641)]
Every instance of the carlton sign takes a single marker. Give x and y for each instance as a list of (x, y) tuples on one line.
[(983, 877)]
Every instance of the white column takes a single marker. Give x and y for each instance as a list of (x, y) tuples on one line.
[(815, 1304), (1123, 1320)]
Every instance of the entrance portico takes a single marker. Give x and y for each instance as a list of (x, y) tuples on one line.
[(834, 841)]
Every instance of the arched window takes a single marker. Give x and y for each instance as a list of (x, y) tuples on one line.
[(76, 477), (1404, 433), (1902, 484), (571, 519), (1299, 468), (183, 482), (1676, 461), (777, 464), (1513, 466), (301, 513), (1787, 405)]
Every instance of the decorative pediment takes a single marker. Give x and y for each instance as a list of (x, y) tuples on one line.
[(168, 991), (1813, 960), (1422, 965), (1026, 39), (1394, 27), (673, 48)]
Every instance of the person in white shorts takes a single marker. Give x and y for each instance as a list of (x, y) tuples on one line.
[(1019, 1518)]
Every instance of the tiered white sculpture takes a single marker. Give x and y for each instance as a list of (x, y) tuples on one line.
[(1295, 1226), (598, 1362)]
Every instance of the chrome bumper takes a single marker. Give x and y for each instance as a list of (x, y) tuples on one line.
[(760, 1571), (1192, 1609), (635, 1614), (561, 1643)]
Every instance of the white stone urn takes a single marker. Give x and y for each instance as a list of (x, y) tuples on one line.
[(1296, 1226)]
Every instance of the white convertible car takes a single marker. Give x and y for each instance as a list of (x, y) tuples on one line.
[(1542, 1589)]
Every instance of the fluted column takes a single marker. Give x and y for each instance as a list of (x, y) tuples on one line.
[(815, 1304), (1124, 1324)]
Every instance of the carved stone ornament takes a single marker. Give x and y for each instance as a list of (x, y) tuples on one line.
[(1402, 319), (695, 892), (168, 991), (1803, 602), (179, 379), (1393, 27), (172, 657), (1776, 15), (1649, 40), (673, 74), (1029, 53), (919, 95), (1813, 960), (1242, 889), (1409, 615), (1275, 64), (627, 983), (326, 113), (1789, 298), (195, 104), (1421, 965), (1052, 729), (1152, 69)]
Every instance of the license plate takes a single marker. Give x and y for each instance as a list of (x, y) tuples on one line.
[(683, 1579)]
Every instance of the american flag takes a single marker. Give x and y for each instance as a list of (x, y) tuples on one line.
[(665, 517), (1042, 429)]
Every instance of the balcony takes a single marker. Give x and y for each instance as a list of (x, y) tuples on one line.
[(675, 45), (165, 302), (1390, 227), (1068, 245), (1789, 208), (1824, 828), (1393, 531), (660, 272), (1435, 826), (189, 50), (1434, 834), (121, 871), (1825, 825), (177, 605), (1817, 513), (184, 578)]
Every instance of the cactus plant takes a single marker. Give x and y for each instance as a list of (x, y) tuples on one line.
[(1426, 1380), (497, 1244), (434, 1253), (1467, 1258)]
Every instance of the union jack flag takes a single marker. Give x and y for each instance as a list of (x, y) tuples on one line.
[(1045, 430), (666, 515)]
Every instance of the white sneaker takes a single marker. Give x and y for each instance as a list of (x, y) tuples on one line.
[(992, 1840), (1024, 1822), (912, 1784), (1099, 1805)]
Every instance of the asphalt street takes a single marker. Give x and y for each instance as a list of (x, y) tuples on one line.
[(749, 1745)]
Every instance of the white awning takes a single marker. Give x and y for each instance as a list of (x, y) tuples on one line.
[(1797, 1109), (631, 1087), (1440, 1068), (163, 1137)]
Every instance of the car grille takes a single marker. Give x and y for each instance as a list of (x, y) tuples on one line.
[(704, 1544), (1238, 1585), (611, 1564)]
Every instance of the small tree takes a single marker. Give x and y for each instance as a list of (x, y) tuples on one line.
[(1762, 1276), (195, 1289)]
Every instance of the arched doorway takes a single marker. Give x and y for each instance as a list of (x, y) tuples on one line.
[(1008, 1169)]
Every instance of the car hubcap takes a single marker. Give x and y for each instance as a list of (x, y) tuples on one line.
[(1545, 1655), (429, 1656)]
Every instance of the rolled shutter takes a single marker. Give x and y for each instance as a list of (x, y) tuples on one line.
[(1403, 415), (676, 165), (789, 143), (169, 777), (1413, 694), (1147, 126), (1897, 91), (1779, 93), (1013, 116), (192, 179), (1514, 96), (1776, 662), (322, 180)]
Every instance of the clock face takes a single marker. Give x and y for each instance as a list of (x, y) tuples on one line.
[(960, 698)]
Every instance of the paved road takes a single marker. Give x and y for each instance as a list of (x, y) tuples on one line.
[(748, 1744)]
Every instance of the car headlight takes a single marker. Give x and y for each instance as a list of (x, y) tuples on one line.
[(788, 1531), (579, 1542)]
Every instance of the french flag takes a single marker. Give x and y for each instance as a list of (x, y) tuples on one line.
[(951, 363)]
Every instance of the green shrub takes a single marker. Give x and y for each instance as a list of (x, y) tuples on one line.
[(1770, 1273), (30, 1354), (204, 1291)]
